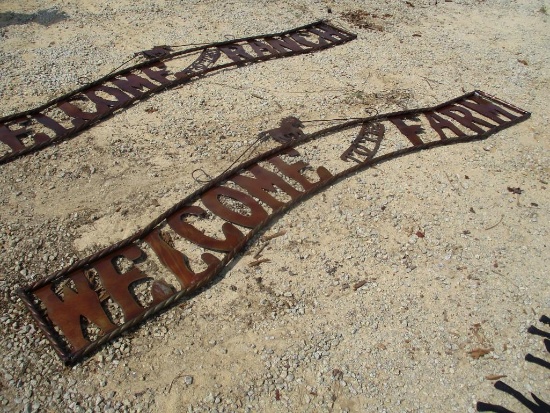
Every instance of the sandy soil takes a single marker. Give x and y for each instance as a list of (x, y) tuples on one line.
[(290, 334)]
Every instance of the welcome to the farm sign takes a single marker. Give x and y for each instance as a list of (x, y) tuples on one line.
[(191, 243)]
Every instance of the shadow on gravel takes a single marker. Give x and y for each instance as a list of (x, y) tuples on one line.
[(45, 17)]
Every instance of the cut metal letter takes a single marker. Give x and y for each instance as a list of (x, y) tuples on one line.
[(66, 313)]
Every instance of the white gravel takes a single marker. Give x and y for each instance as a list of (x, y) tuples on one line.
[(291, 334)]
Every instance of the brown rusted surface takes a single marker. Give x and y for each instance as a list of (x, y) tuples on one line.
[(265, 181), (294, 170), (118, 284), (243, 202), (537, 405), (176, 261), (161, 290), (289, 130), (212, 200), (65, 313), (370, 133), (138, 82), (232, 234)]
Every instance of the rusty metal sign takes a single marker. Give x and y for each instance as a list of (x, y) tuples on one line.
[(68, 115), (99, 297), (537, 405)]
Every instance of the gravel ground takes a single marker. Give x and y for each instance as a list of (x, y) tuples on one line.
[(291, 334)]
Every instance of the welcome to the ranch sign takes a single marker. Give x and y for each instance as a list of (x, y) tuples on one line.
[(128, 282), (68, 115)]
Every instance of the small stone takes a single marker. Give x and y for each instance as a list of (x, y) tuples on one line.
[(188, 380)]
